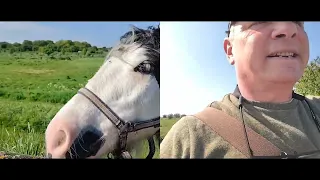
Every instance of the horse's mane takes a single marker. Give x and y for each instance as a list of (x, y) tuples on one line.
[(149, 39)]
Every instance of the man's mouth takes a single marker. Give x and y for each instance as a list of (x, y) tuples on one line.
[(283, 55)]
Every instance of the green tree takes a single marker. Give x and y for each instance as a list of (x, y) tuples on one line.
[(84, 51), (4, 45), (176, 115), (17, 47), (48, 47), (27, 45), (309, 84)]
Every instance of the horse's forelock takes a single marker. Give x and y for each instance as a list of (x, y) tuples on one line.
[(147, 38)]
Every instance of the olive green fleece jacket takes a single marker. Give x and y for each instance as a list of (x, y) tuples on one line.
[(289, 126)]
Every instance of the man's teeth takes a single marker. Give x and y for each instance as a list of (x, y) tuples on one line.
[(283, 54)]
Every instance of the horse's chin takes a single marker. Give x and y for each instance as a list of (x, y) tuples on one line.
[(92, 157), (99, 155)]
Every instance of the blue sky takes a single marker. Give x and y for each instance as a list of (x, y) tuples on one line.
[(96, 33), (194, 68)]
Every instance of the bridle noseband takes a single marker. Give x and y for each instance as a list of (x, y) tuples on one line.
[(123, 126)]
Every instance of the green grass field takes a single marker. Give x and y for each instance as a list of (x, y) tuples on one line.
[(32, 90), (166, 125)]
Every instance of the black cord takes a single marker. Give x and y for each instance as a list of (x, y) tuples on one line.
[(244, 127), (237, 94), (313, 116), (246, 134)]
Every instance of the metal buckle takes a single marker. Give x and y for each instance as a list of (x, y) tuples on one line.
[(125, 155), (284, 155)]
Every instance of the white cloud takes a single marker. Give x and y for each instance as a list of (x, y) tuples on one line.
[(19, 31)]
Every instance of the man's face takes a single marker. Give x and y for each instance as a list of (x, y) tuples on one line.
[(268, 51)]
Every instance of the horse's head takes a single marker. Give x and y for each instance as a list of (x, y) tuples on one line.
[(128, 85)]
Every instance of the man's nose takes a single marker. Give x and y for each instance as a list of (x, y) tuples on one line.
[(284, 30), (59, 137)]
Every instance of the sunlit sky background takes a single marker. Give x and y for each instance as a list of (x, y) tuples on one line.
[(96, 33), (194, 68)]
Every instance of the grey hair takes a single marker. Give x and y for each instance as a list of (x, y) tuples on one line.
[(230, 24)]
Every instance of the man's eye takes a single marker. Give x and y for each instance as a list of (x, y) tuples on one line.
[(258, 22), (300, 23)]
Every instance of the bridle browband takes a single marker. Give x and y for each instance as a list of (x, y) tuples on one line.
[(123, 127)]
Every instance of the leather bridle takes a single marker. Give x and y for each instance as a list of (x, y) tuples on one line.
[(123, 126)]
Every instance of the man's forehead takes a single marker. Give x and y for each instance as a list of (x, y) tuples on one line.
[(243, 24), (232, 23)]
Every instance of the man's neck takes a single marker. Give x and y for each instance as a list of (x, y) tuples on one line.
[(271, 93)]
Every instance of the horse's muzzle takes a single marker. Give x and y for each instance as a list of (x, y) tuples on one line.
[(86, 144)]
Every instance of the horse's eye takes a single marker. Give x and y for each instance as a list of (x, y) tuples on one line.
[(145, 68)]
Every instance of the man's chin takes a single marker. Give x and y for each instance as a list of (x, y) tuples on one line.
[(285, 78)]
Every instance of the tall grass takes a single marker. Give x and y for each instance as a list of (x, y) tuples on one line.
[(22, 142), (20, 114), (33, 87), (31, 143)]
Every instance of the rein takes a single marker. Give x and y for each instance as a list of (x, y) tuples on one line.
[(123, 127)]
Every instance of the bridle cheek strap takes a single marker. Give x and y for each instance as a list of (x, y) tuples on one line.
[(124, 127)]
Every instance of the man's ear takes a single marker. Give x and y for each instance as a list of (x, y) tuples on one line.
[(228, 50)]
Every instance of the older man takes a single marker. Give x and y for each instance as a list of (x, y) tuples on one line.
[(269, 58)]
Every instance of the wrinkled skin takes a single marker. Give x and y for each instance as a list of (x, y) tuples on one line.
[(260, 77)]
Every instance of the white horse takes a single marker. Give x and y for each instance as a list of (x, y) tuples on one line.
[(117, 108)]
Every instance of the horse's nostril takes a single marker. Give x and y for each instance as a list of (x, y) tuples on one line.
[(86, 144), (61, 135), (58, 137)]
